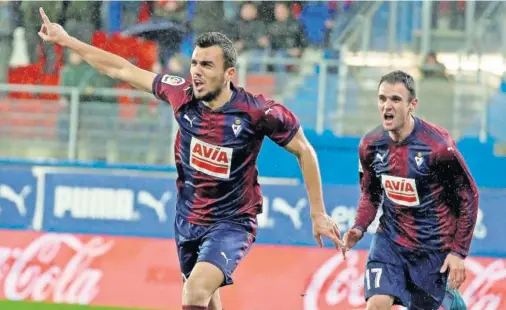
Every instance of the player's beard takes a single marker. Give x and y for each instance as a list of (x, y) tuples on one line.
[(210, 95)]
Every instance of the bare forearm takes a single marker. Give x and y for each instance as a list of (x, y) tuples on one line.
[(308, 162), (101, 60)]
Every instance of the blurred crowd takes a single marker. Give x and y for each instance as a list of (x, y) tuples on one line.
[(254, 26), (281, 29)]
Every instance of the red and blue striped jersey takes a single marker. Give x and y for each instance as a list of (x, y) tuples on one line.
[(428, 196), (216, 150)]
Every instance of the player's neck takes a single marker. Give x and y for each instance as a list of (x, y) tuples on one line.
[(403, 132), (221, 100)]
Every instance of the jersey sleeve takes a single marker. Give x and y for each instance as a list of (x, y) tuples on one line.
[(172, 89), (463, 194), (370, 190), (279, 123)]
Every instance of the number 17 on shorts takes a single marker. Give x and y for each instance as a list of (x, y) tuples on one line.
[(384, 279), (373, 278)]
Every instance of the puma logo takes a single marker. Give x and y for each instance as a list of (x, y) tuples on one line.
[(186, 117)]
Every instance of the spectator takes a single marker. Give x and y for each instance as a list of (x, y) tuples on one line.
[(177, 65), (130, 11), (77, 73), (286, 34), (209, 16), (7, 26), (82, 19), (251, 32), (432, 67), (176, 12), (231, 10), (31, 23)]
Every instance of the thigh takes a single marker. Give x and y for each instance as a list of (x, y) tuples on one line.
[(421, 299), (224, 246), (187, 253), (385, 272), (187, 245), (427, 284)]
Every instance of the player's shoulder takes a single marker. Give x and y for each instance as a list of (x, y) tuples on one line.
[(373, 138), (436, 133), (255, 105), (172, 88)]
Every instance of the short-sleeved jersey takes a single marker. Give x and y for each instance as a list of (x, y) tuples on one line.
[(216, 150), (428, 196)]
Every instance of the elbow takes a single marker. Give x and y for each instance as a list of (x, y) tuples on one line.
[(119, 71), (305, 150)]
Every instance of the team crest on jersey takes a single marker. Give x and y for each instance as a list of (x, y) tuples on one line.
[(401, 191), (210, 159), (419, 159), (172, 80), (237, 127)]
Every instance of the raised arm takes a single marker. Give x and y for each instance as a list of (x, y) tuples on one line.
[(112, 65)]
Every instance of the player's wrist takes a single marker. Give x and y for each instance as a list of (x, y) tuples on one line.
[(359, 228), (316, 214), (459, 255), (66, 41)]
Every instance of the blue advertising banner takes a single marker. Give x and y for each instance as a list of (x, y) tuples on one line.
[(131, 203), (18, 193)]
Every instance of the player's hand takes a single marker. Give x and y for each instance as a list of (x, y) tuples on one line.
[(457, 270), (323, 225), (351, 238), (52, 32)]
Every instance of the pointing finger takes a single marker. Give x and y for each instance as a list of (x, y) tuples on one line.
[(44, 16)]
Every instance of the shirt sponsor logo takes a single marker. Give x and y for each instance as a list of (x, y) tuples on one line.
[(400, 190), (210, 159)]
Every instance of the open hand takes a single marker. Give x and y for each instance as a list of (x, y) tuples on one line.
[(457, 270), (52, 32)]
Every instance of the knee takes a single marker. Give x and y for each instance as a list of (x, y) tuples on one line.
[(381, 302), (195, 293)]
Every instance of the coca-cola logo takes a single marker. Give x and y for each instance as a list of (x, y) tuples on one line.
[(339, 282), (53, 267), (336, 282)]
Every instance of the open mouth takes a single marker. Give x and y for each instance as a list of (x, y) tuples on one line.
[(198, 83), (388, 116)]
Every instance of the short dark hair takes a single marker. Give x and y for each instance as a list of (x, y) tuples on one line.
[(209, 39), (400, 77)]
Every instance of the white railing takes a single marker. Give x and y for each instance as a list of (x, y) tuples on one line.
[(89, 125), (325, 95)]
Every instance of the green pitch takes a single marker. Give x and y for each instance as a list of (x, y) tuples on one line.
[(17, 305)]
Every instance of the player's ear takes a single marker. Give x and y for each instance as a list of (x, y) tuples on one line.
[(413, 104), (229, 74)]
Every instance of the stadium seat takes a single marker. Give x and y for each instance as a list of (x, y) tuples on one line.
[(49, 80), (124, 46), (24, 75), (99, 39), (30, 119), (127, 108), (313, 17), (148, 54)]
